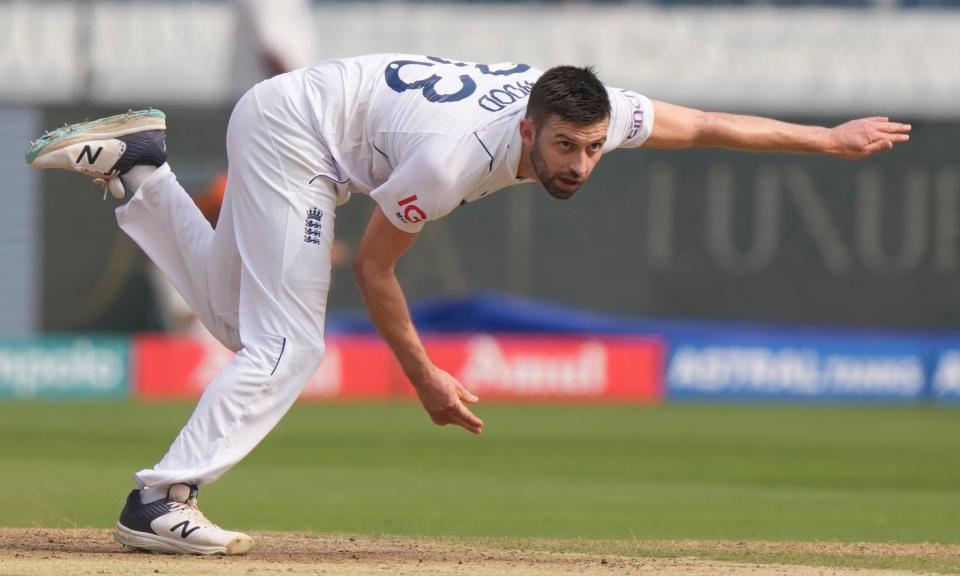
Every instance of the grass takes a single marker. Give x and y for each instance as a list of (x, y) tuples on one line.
[(630, 474)]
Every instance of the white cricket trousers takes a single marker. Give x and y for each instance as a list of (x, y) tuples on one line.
[(258, 282)]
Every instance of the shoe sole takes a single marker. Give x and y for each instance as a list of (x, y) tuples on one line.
[(102, 129), (239, 546)]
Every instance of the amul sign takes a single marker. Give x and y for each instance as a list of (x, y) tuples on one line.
[(552, 368)]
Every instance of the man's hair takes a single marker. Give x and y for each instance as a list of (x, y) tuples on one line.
[(574, 94)]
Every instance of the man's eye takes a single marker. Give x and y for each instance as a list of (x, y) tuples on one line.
[(564, 145), (595, 147)]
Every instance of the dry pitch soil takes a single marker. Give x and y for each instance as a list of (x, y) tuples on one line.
[(93, 552)]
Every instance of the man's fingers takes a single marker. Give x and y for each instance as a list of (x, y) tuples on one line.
[(466, 424), (895, 128), (881, 145), (460, 415), (466, 395), (468, 417), (454, 419), (452, 416), (888, 128)]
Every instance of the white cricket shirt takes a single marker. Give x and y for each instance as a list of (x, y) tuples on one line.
[(422, 135)]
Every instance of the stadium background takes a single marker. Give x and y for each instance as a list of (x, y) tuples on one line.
[(698, 276)]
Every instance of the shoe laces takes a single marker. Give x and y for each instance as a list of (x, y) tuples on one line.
[(112, 184), (189, 509)]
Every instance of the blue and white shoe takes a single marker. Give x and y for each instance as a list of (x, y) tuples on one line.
[(104, 149), (175, 525)]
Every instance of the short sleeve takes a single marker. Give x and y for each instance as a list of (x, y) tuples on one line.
[(631, 119), (405, 200), (423, 187)]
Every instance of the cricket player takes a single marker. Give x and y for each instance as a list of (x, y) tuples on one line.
[(422, 136)]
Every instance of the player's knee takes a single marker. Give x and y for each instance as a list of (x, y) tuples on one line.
[(283, 355), (304, 358)]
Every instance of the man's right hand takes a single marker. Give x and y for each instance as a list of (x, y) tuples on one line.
[(440, 393), (443, 398)]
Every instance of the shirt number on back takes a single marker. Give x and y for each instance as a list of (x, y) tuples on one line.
[(442, 80)]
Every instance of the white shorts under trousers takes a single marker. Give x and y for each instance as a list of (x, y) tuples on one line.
[(258, 282)]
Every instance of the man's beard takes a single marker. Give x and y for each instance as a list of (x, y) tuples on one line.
[(547, 180)]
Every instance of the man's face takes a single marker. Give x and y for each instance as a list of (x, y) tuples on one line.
[(563, 154)]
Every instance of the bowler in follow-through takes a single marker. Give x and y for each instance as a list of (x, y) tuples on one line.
[(420, 135)]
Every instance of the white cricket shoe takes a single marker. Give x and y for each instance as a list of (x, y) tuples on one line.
[(175, 525), (104, 149)]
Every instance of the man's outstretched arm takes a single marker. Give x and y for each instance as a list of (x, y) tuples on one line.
[(440, 393), (676, 127)]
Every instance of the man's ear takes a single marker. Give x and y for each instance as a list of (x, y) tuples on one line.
[(528, 132)]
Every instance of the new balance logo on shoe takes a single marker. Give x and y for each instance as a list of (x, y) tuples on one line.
[(88, 152), (185, 529)]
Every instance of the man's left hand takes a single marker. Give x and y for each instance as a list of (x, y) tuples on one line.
[(866, 136)]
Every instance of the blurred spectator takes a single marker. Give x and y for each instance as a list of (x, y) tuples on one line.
[(271, 37)]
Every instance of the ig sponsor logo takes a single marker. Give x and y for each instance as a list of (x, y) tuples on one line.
[(411, 213)]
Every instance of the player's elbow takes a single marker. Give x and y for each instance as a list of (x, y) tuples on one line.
[(366, 270), (360, 271)]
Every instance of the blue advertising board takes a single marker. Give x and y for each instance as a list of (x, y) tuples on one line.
[(945, 373), (785, 366)]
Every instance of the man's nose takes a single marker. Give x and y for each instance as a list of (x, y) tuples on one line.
[(580, 165)]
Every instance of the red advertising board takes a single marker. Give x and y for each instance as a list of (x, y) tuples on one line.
[(168, 368), (571, 369)]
